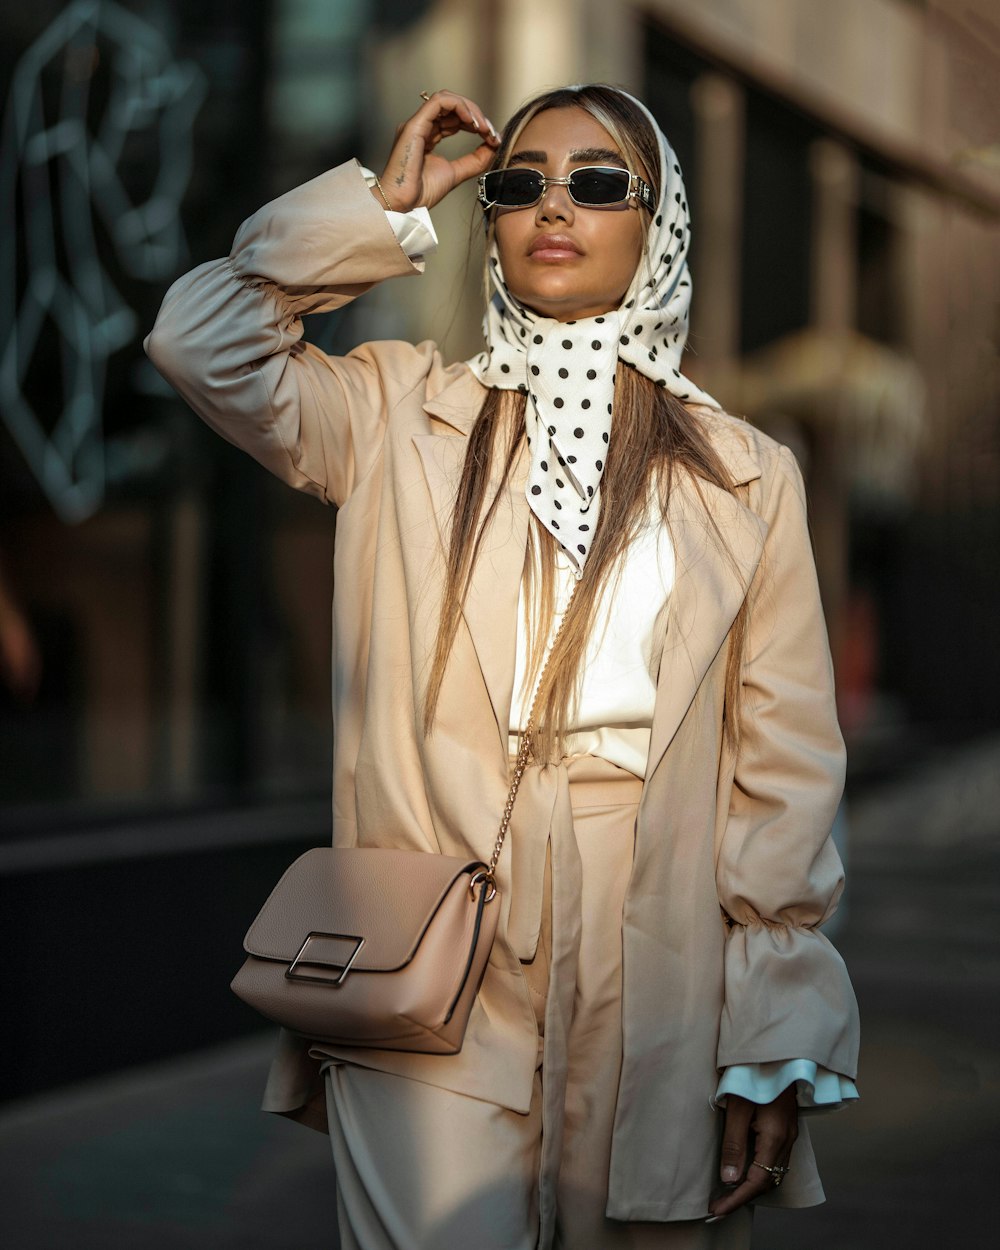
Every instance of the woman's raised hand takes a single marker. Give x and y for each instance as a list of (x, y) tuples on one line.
[(414, 176)]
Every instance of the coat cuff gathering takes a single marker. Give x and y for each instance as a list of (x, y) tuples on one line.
[(787, 992), (320, 243)]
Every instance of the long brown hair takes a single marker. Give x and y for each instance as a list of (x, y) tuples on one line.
[(654, 435)]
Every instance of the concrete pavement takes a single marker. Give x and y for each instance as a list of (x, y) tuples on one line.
[(177, 1156)]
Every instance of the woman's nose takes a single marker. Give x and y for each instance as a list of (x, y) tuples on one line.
[(555, 204)]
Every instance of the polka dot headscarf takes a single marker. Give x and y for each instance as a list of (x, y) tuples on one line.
[(567, 369)]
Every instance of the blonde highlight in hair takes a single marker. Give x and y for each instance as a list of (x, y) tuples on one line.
[(655, 436)]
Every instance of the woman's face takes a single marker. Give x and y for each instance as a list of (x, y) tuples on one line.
[(561, 260)]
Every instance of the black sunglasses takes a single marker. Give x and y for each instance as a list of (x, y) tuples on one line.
[(592, 186)]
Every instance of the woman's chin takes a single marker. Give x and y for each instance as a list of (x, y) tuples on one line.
[(563, 308)]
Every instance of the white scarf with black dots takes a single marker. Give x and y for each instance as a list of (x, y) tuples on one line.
[(567, 369)]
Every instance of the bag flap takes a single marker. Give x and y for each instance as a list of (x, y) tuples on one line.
[(387, 897)]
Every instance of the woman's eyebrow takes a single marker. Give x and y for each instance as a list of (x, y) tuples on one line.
[(605, 156), (538, 158)]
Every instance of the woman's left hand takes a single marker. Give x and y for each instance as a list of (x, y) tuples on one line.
[(763, 1133)]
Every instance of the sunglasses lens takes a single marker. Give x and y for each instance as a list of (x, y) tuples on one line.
[(599, 186), (592, 186), (513, 188)]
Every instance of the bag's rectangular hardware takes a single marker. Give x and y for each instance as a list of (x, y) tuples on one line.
[(292, 975)]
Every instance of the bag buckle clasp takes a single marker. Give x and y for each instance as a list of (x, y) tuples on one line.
[(315, 958)]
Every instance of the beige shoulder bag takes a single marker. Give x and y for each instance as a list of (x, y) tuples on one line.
[(366, 946)]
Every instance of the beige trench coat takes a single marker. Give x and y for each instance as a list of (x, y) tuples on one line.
[(733, 868)]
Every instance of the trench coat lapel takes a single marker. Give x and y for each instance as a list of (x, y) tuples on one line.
[(709, 584), (709, 587), (491, 605)]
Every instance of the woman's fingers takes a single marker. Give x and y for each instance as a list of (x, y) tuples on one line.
[(739, 1113), (750, 1189), (455, 112), (758, 1180), (767, 1134), (733, 1155), (472, 164), (414, 175)]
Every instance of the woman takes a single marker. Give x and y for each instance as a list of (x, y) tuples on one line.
[(669, 856)]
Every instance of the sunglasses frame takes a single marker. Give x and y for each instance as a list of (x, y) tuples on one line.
[(638, 189)]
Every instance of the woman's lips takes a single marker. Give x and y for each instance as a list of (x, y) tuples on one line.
[(554, 247)]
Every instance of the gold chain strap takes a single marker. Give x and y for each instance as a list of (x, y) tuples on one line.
[(487, 876)]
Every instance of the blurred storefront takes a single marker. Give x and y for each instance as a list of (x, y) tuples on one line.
[(164, 606), (847, 181)]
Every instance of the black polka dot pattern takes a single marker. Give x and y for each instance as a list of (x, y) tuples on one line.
[(569, 412)]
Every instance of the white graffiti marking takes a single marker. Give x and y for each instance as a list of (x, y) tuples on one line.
[(97, 86)]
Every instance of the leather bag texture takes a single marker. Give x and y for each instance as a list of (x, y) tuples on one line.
[(368, 946)]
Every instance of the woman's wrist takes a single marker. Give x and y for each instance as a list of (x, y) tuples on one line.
[(379, 193)]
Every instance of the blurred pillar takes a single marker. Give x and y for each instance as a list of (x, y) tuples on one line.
[(315, 94), (720, 138), (834, 173), (538, 46), (564, 41), (452, 46), (613, 42), (185, 620), (833, 303)]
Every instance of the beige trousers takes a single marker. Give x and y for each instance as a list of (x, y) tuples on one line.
[(421, 1168)]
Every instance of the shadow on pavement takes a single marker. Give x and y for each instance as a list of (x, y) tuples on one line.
[(177, 1155), (172, 1156)]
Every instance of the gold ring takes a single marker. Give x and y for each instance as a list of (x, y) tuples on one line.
[(778, 1173), (425, 96)]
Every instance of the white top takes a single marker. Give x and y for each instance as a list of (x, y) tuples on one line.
[(816, 1088), (613, 710)]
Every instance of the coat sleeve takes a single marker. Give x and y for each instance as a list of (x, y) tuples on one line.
[(228, 336), (787, 992)]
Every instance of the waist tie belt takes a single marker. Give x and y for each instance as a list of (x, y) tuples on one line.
[(547, 798)]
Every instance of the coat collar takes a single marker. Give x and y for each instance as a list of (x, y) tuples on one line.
[(458, 403), (714, 569), (490, 609), (459, 400)]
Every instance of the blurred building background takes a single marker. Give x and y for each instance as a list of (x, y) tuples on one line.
[(164, 606)]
